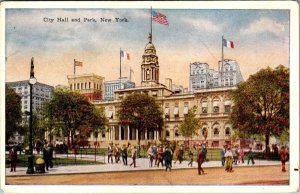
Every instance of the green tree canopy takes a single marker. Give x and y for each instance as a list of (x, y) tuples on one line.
[(72, 112), (141, 112), (190, 124), (262, 103), (13, 113)]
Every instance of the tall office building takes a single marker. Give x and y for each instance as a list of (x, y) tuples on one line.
[(112, 86)]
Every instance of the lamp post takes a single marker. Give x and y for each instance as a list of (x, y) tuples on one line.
[(32, 81)]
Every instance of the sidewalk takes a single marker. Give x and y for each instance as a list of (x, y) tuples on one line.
[(142, 164)]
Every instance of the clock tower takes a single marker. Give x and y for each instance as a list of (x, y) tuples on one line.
[(150, 66)]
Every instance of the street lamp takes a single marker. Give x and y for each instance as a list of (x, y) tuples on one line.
[(32, 81)]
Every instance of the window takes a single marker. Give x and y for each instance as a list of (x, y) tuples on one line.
[(216, 132), (186, 108), (81, 86), (227, 131), (227, 106), (89, 85), (177, 133), (216, 107), (204, 106), (103, 134), (70, 86), (204, 132), (167, 134)]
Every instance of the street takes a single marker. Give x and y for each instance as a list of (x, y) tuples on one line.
[(260, 175)]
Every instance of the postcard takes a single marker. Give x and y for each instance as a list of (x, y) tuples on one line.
[(150, 97)]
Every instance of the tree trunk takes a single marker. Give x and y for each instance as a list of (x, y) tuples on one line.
[(267, 141)]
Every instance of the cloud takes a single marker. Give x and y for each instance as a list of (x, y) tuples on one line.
[(202, 24), (264, 25)]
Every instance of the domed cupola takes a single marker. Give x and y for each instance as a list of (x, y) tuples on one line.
[(150, 65)]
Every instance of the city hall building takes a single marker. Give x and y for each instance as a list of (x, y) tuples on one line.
[(209, 92)]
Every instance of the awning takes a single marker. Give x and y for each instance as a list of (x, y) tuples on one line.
[(204, 104), (166, 111), (176, 111), (227, 102), (185, 110)]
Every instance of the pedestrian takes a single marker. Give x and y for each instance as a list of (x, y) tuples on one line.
[(181, 152), (250, 157), (191, 156), (46, 157), (50, 153), (110, 153), (133, 155), (222, 153), (228, 159), (116, 153), (168, 157), (241, 155), (150, 155), (160, 155), (235, 154), (13, 157), (200, 160), (124, 154), (155, 154), (204, 149), (177, 153), (283, 153)]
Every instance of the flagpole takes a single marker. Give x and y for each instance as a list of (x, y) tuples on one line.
[(74, 86), (120, 70), (151, 24), (222, 58)]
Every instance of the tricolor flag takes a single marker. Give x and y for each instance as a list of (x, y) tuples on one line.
[(160, 18), (77, 63), (228, 43), (125, 55)]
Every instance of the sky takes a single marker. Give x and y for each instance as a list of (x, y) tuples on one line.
[(260, 36)]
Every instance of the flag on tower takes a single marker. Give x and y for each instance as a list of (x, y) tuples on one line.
[(77, 63), (125, 55), (160, 18), (228, 43)]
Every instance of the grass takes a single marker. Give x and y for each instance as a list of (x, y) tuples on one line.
[(23, 161)]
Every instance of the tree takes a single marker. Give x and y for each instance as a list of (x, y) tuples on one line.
[(141, 112), (262, 104), (13, 113), (190, 124), (71, 112)]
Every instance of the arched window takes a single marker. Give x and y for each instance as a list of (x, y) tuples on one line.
[(216, 132), (177, 133), (227, 131), (204, 132), (167, 134)]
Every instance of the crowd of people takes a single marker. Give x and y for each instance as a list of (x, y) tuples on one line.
[(158, 155)]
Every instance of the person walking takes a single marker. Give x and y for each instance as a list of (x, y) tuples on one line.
[(191, 156), (222, 153), (110, 153), (50, 154), (150, 155), (13, 157), (160, 155), (200, 160), (228, 159), (168, 157), (283, 157), (241, 155), (124, 154), (133, 155), (181, 152), (250, 157), (235, 154), (46, 157)]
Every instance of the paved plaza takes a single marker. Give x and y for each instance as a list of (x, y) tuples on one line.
[(142, 165)]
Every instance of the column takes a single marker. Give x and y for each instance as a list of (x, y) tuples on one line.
[(120, 132), (136, 135), (146, 134), (113, 132), (128, 130)]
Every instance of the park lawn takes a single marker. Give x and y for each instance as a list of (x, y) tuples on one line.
[(23, 159)]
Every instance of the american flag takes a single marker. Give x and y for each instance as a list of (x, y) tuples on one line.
[(160, 18)]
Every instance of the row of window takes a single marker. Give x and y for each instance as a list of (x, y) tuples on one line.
[(81, 86), (216, 132)]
